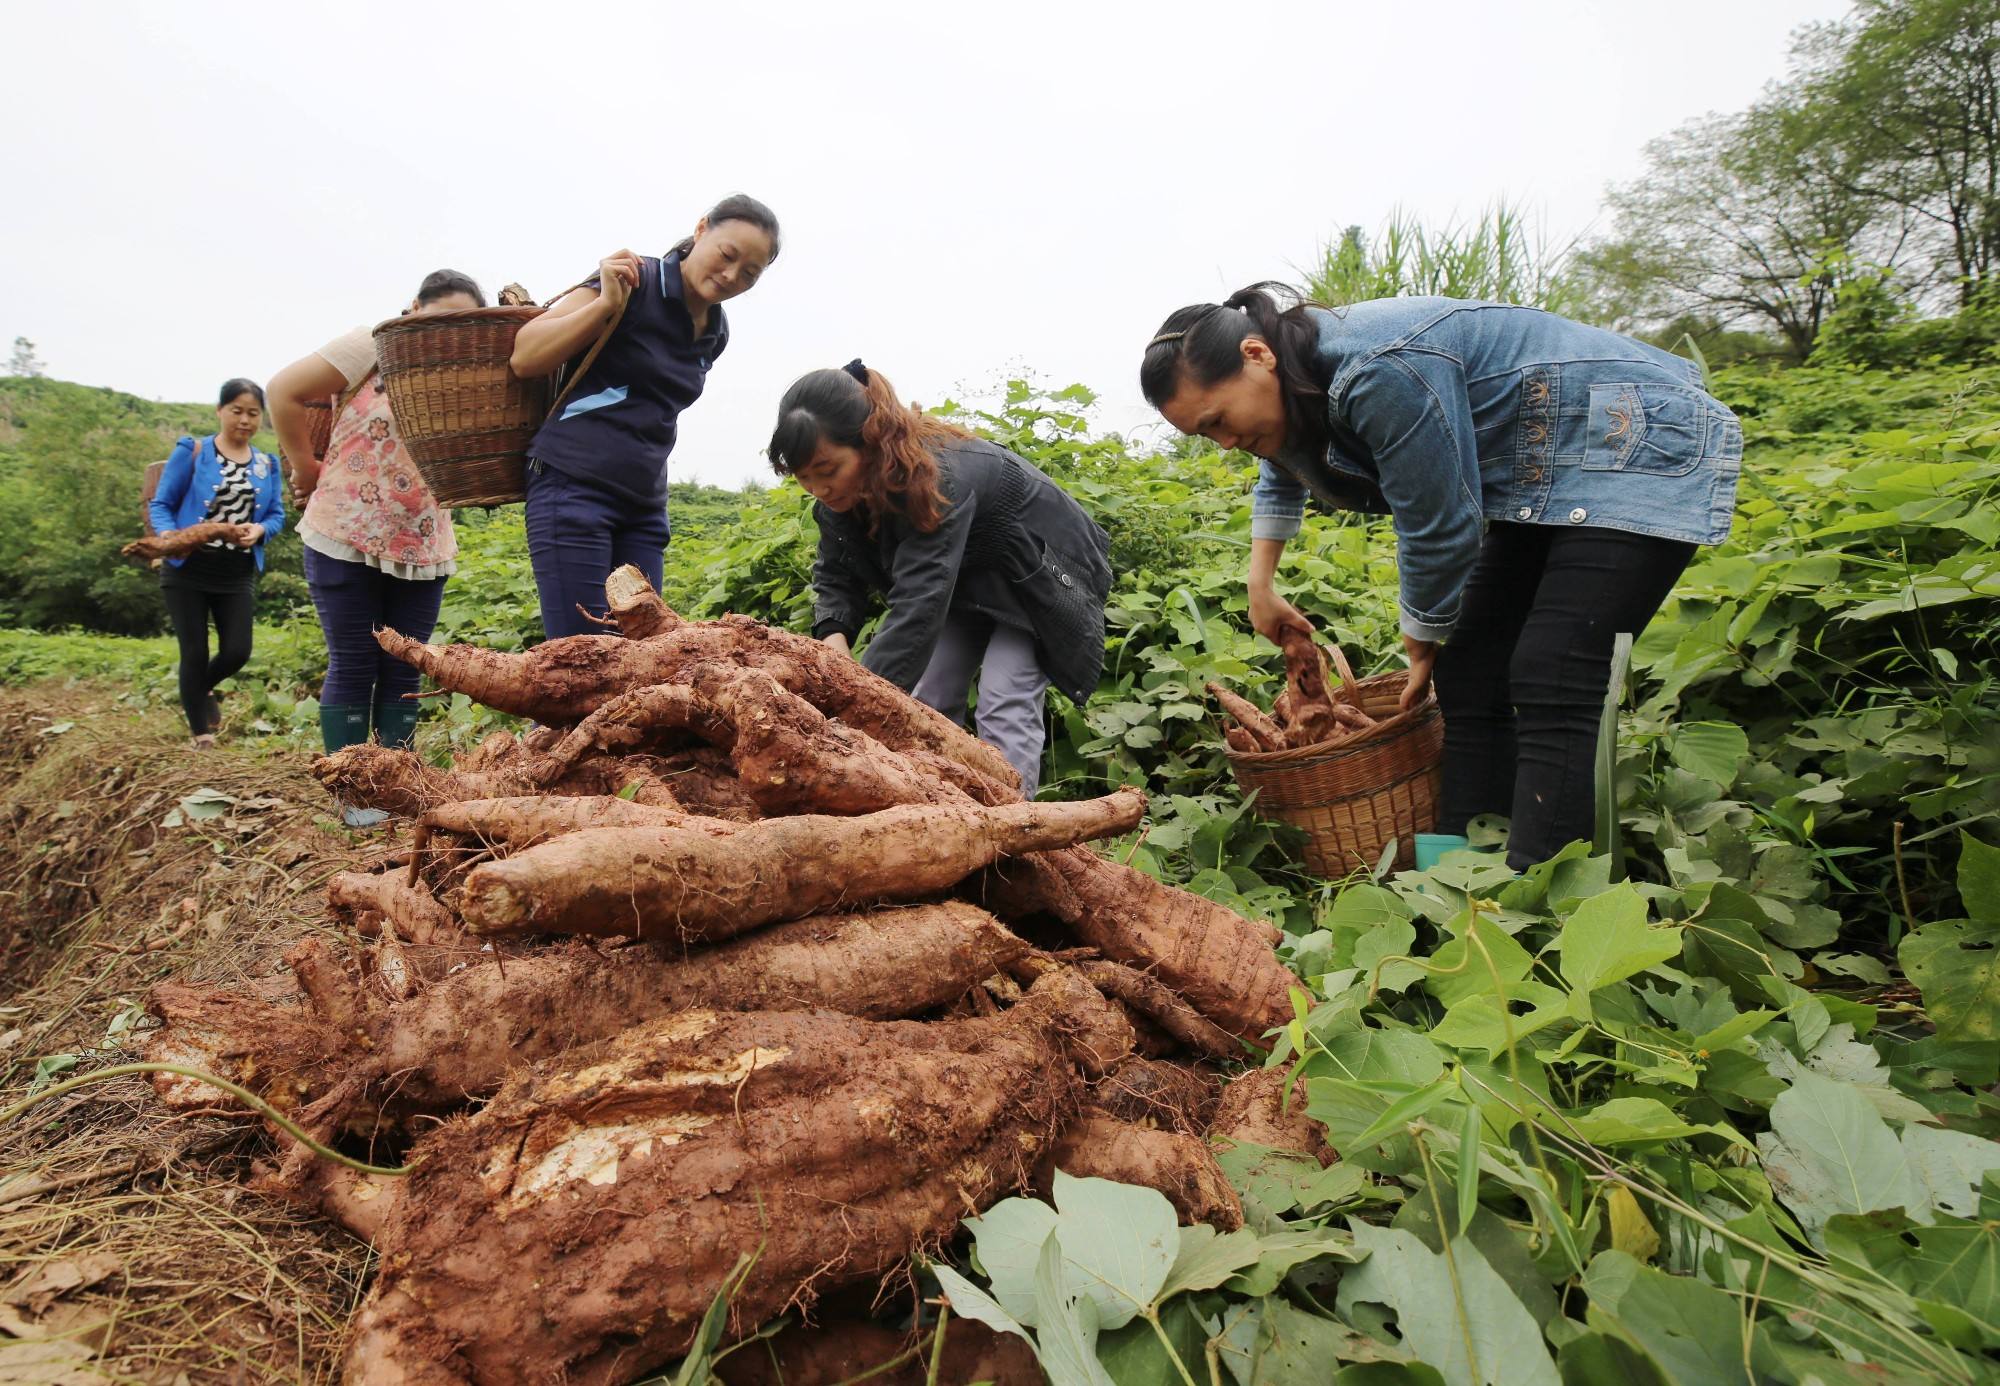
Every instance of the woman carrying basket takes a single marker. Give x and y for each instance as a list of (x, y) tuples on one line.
[(988, 566), (220, 478), (378, 547), (648, 331), (1547, 482)]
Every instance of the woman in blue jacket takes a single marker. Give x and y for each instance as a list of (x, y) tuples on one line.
[(221, 478), (1547, 482)]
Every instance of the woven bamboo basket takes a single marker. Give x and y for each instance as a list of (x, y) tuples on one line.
[(463, 414), (1353, 794)]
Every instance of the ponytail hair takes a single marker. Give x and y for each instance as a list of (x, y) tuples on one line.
[(857, 408), (1204, 343)]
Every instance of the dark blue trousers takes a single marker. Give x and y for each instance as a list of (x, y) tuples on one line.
[(353, 599), (577, 533)]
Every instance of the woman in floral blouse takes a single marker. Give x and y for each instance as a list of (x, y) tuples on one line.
[(378, 547)]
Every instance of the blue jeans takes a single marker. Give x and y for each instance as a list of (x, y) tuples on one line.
[(354, 599), (1012, 689), (576, 535)]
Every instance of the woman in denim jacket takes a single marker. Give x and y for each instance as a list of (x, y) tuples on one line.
[(1547, 482)]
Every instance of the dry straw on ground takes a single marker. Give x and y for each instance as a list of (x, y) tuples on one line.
[(128, 1250)]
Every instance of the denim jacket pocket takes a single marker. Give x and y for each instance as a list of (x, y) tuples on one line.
[(1657, 429)]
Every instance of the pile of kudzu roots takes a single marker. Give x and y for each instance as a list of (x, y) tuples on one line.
[(741, 951), (1310, 712)]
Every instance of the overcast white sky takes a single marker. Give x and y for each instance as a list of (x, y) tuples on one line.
[(195, 191)]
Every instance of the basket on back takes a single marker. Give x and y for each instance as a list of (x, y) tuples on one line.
[(464, 415), (1355, 792)]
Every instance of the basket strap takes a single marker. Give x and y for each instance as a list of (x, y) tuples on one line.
[(589, 357), (1349, 687)]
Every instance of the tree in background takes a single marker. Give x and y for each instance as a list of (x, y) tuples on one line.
[(1909, 90), (24, 362), (1500, 256), (1867, 182)]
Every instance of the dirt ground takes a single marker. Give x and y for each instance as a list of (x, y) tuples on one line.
[(129, 1252)]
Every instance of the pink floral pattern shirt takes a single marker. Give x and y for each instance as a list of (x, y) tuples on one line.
[(371, 502)]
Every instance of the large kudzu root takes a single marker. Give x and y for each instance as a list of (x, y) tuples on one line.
[(411, 911), (1263, 1108), (523, 821), (1153, 1000), (1098, 1146), (280, 1052), (399, 782), (1218, 961), (684, 886), (578, 1227), (178, 543), (1159, 1092), (463, 1035), (565, 680), (635, 606)]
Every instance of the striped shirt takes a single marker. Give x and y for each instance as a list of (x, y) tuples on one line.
[(235, 500)]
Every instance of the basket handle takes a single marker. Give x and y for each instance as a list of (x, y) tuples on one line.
[(589, 357), (1350, 687)]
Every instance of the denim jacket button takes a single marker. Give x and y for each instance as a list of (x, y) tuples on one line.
[(1524, 512), (1578, 515)]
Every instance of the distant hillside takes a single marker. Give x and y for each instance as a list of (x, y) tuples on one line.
[(71, 461)]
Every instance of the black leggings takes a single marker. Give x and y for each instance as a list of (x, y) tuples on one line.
[(1522, 680), (190, 609)]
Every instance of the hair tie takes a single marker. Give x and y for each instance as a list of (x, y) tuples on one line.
[(857, 370), (1166, 337)]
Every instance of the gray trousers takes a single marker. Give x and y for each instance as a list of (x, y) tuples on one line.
[(1012, 689)]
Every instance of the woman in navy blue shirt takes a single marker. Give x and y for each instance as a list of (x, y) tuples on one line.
[(221, 478), (597, 469)]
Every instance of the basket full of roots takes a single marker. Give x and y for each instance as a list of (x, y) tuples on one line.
[(1346, 764), (741, 952)]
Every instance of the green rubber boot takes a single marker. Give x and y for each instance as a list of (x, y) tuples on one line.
[(1431, 847), (396, 722), (342, 725)]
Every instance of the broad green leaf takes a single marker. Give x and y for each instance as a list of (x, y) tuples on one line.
[(1956, 965), (1279, 1252), (1066, 1335), (1008, 1238), (1694, 1331), (1828, 1152), (1607, 939), (1119, 1241), (1491, 951), (1272, 1343), (1979, 879), (1594, 1359), (1949, 1165), (968, 1301), (1134, 1356), (1445, 1325), (1402, 1111), (1632, 1232), (1393, 939), (1952, 1269), (1207, 1258), (1629, 1121), (1712, 750)]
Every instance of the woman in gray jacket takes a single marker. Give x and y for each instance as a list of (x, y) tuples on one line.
[(988, 566)]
